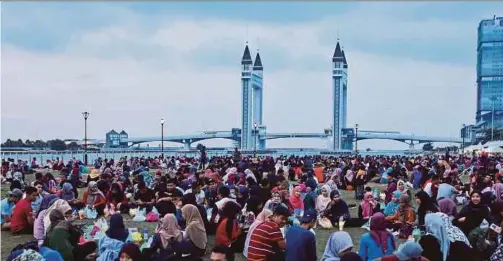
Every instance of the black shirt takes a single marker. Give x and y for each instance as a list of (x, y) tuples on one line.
[(145, 197)]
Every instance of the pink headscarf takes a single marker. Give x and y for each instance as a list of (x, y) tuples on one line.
[(295, 200), (366, 206)]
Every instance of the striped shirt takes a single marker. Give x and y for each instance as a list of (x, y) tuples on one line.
[(264, 241)]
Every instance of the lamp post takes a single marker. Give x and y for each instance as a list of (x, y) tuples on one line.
[(255, 125), (86, 115), (356, 139), (463, 132), (493, 99), (162, 138)]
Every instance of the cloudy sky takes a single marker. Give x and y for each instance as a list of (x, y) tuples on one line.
[(411, 66)]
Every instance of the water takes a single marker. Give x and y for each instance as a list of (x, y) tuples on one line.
[(43, 156)]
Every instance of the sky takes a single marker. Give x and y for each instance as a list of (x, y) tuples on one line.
[(132, 63)]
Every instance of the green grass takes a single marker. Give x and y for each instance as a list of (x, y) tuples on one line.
[(8, 241)]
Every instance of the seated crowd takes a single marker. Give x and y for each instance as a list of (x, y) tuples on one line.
[(262, 208)]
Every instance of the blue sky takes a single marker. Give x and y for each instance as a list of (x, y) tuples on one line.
[(408, 62)]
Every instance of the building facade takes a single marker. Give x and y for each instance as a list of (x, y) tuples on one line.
[(340, 92), (490, 74)]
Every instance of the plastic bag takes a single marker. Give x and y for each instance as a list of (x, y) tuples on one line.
[(154, 209), (90, 213), (136, 237), (101, 224), (152, 217), (140, 215), (132, 212), (147, 243), (325, 223)]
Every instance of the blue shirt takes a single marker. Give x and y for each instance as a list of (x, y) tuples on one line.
[(6, 209), (300, 244), (369, 250)]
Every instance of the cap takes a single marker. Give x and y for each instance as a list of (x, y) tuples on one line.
[(309, 216), (16, 193)]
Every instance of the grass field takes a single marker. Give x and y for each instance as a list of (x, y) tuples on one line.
[(8, 241)]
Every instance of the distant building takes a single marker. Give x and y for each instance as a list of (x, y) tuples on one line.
[(489, 81), (490, 73), (123, 136), (116, 140), (112, 139)]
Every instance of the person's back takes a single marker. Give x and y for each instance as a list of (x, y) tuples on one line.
[(369, 250), (299, 244), (263, 241)]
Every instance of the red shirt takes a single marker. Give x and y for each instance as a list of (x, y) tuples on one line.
[(20, 215), (221, 237), (263, 240)]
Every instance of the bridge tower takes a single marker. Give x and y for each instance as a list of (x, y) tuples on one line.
[(247, 100), (257, 84), (340, 91)]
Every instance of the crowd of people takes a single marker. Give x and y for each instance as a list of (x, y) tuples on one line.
[(263, 208)]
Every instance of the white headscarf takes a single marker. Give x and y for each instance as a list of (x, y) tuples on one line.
[(60, 205), (338, 242)]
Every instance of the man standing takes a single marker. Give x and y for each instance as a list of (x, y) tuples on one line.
[(300, 242), (266, 241), (7, 205), (22, 216)]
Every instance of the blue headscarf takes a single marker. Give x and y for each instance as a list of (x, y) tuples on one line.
[(46, 202), (436, 226), (392, 206)]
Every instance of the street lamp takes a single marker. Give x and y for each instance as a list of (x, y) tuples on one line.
[(356, 139), (255, 125), (162, 138), (493, 99), (463, 132), (86, 115)]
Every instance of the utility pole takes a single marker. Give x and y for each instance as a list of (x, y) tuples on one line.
[(162, 138), (356, 139), (255, 125)]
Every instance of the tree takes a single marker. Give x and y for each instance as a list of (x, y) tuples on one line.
[(57, 144), (28, 143), (73, 146), (39, 144), (428, 147)]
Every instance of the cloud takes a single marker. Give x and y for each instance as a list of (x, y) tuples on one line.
[(131, 72)]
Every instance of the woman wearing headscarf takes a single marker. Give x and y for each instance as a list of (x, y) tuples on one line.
[(389, 191), (242, 196), (472, 215), (117, 229), (63, 237), (166, 239), (195, 235), (130, 252), (262, 217), (426, 206), (38, 225), (379, 241), (94, 198), (393, 205), (337, 210), (60, 205), (339, 244), (408, 251), (323, 200), (296, 201), (443, 242), (116, 198), (402, 188), (403, 219), (368, 207)]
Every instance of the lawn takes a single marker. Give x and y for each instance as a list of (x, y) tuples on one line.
[(8, 241)]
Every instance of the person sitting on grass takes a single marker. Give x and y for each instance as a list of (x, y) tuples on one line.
[(145, 197), (337, 210), (7, 205), (63, 237), (300, 242), (379, 241), (221, 253), (93, 198), (22, 216)]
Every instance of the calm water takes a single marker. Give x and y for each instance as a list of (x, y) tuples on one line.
[(51, 155)]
